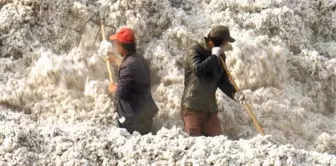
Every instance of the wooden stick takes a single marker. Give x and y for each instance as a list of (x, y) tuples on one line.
[(108, 65), (247, 106)]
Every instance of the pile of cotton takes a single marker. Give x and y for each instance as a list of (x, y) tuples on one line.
[(55, 108)]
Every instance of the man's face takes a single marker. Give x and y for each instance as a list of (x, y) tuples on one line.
[(118, 47), (226, 46), (224, 43)]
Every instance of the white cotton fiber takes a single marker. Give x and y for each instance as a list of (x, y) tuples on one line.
[(55, 108)]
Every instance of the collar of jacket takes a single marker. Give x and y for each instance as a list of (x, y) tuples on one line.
[(206, 44), (124, 59)]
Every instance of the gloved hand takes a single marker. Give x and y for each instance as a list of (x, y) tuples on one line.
[(104, 49), (216, 51), (240, 97), (122, 120)]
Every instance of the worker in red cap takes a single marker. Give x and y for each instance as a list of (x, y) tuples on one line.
[(134, 101)]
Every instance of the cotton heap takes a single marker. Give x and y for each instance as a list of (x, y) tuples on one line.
[(55, 108)]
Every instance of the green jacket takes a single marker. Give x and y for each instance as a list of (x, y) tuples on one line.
[(203, 75)]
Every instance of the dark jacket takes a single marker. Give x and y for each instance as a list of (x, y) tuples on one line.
[(134, 88), (203, 75)]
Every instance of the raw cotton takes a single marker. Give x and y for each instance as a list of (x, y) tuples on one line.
[(55, 108)]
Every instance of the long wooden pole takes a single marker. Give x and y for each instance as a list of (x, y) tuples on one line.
[(108, 65), (247, 106)]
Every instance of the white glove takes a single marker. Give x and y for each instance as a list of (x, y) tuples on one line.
[(105, 48), (122, 120), (216, 51), (240, 97)]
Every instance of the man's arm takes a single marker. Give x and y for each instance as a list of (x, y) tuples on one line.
[(126, 81), (226, 86), (199, 67)]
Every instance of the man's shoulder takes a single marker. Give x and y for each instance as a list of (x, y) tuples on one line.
[(197, 49), (197, 46), (135, 61), (131, 59)]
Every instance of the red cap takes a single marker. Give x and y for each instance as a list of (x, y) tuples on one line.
[(125, 35)]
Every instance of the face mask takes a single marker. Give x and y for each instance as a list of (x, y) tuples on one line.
[(226, 47), (119, 56), (115, 52)]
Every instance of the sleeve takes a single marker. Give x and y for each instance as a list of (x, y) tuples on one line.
[(126, 80), (201, 67), (226, 86)]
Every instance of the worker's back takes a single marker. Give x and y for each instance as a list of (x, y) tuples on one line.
[(201, 85), (135, 85)]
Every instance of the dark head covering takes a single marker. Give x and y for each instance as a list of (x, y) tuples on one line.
[(220, 32)]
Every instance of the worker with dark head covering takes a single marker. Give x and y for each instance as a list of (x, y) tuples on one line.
[(203, 75)]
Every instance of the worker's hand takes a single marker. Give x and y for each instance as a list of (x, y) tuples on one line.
[(240, 97), (216, 51), (105, 48), (114, 60), (112, 88), (122, 120)]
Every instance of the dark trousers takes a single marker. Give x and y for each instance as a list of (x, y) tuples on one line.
[(200, 123), (141, 123)]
